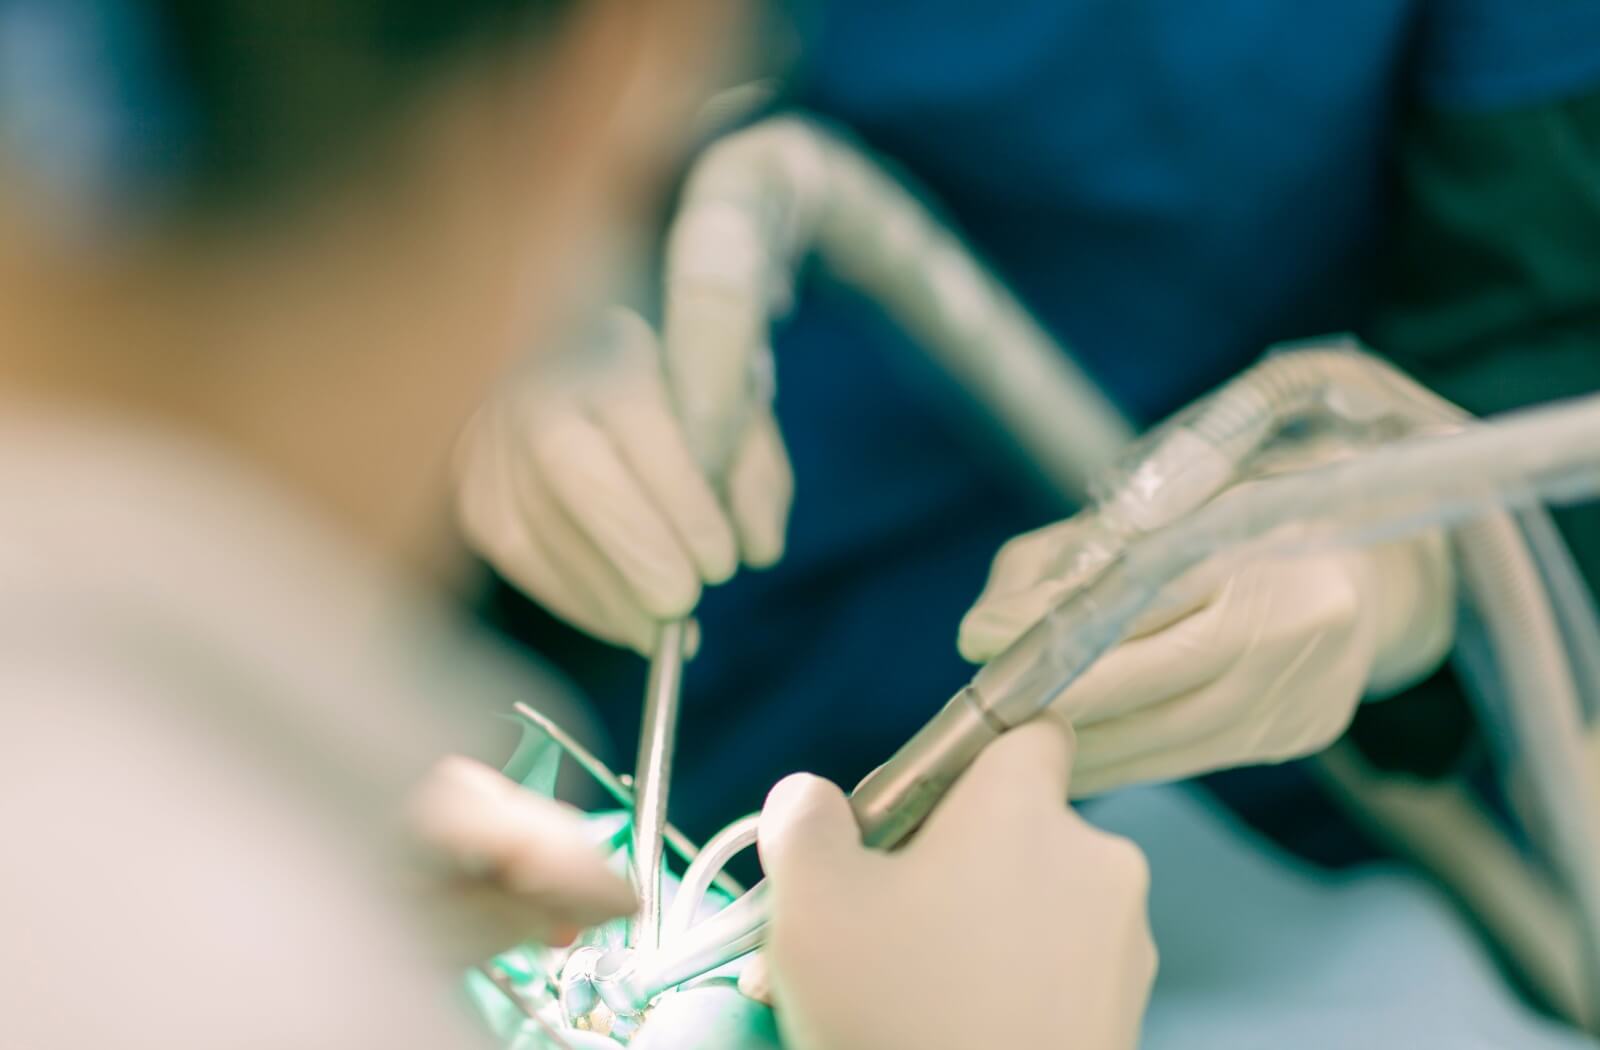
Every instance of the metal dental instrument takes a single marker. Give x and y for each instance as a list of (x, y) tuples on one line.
[(620, 788), (896, 797), (507, 988), (1551, 452), (652, 772)]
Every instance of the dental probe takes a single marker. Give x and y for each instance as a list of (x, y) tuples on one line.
[(620, 788)]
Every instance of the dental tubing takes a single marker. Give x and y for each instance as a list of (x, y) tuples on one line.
[(760, 200), (1452, 472)]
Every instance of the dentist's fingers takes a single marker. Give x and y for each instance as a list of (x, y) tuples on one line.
[(1036, 571), (651, 442), (995, 622), (1186, 656), (493, 494), (713, 349), (1032, 557), (1170, 725), (1017, 777), (760, 491), (1180, 763), (712, 336), (509, 865), (579, 583), (807, 830), (606, 501)]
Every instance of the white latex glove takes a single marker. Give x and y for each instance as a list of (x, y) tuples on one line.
[(578, 484), (503, 866), (1245, 662), (1007, 921)]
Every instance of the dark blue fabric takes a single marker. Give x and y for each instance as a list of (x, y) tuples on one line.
[(1162, 181), (1502, 54), (1170, 186)]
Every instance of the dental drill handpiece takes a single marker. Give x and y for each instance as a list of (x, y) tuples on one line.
[(895, 798), (1431, 481)]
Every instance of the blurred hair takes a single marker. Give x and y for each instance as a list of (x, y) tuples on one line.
[(274, 93)]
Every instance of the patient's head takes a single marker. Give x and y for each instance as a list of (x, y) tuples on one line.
[(313, 230)]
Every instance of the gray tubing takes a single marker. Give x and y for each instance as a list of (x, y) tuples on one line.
[(1531, 640), (761, 200), (1573, 603), (1545, 715)]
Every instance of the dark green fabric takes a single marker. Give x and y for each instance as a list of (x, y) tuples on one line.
[(1494, 251), (1490, 294)]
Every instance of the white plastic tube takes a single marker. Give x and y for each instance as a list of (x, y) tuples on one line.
[(713, 857), (1546, 718), (1542, 700), (758, 201)]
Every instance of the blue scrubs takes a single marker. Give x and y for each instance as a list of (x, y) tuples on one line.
[(1170, 187)]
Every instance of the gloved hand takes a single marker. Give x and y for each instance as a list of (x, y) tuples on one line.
[(501, 865), (1244, 662), (1005, 918), (579, 485)]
